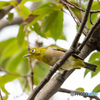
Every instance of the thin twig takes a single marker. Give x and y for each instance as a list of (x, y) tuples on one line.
[(90, 19), (30, 62), (1, 95), (74, 6), (31, 68), (74, 16), (71, 91)]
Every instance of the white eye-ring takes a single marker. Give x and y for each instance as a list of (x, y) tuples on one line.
[(33, 51)]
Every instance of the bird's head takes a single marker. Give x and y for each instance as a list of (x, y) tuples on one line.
[(35, 53)]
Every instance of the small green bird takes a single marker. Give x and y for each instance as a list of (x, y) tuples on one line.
[(51, 54)]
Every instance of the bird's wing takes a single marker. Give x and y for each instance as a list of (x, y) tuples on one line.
[(64, 50), (58, 48)]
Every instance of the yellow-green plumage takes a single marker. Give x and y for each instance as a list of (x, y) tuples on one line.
[(52, 54)]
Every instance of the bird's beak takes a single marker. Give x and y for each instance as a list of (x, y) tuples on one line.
[(27, 55)]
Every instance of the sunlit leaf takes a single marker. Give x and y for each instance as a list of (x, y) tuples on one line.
[(10, 47), (7, 78), (80, 89), (4, 90)]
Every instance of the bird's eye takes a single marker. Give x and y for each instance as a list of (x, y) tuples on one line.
[(33, 51)]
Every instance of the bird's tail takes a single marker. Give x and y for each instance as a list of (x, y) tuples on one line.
[(90, 66)]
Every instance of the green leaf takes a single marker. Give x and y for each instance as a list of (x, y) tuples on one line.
[(7, 78), (4, 90), (62, 37), (10, 47), (80, 89), (7, 3), (5, 97), (97, 88), (23, 67), (21, 35), (86, 72), (37, 30), (23, 11), (5, 43), (43, 11), (40, 71), (48, 22), (13, 63), (23, 83), (10, 17), (57, 27)]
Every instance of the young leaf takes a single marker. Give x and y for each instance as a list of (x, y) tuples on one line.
[(21, 35), (80, 89)]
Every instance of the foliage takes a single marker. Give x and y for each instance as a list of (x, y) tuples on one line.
[(47, 23)]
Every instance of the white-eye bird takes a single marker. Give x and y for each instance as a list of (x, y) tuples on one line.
[(51, 54)]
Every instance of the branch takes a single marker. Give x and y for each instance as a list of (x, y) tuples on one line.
[(4, 23), (25, 76), (82, 24), (61, 61), (73, 15), (6, 10), (89, 34), (71, 91), (78, 8)]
